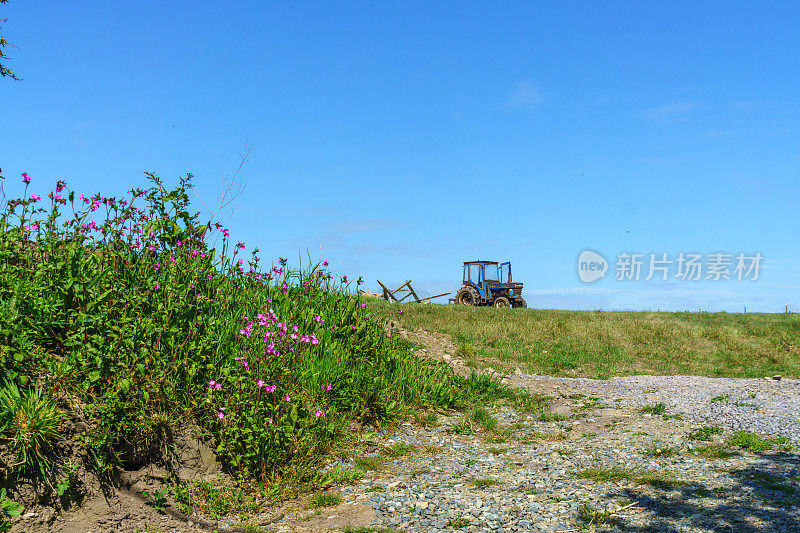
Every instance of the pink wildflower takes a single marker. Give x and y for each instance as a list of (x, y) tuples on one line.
[(328, 387), (35, 197), (260, 383), (287, 398), (319, 413), (26, 178), (363, 304)]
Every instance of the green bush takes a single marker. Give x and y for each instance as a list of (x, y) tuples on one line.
[(147, 315)]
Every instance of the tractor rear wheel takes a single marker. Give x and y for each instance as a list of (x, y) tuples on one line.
[(467, 296), (501, 301)]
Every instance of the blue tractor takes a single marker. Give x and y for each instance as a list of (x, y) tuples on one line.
[(489, 283)]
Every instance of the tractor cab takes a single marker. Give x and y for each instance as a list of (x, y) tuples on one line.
[(489, 283), (478, 272)]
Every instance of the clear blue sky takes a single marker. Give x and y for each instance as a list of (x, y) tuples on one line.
[(401, 138)]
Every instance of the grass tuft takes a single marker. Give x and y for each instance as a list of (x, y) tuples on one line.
[(325, 499), (704, 433), (756, 443), (426, 419), (483, 418), (655, 409), (661, 451), (483, 482), (30, 421), (399, 449), (714, 451), (368, 463)]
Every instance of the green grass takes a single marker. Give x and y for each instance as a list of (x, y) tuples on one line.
[(720, 398), (215, 501), (459, 522), (655, 409), (647, 477), (714, 451), (463, 427), (30, 421), (368, 463), (661, 451), (704, 433), (426, 418), (325, 499), (601, 344), (399, 449), (757, 443), (595, 517), (339, 476), (484, 482), (483, 418)]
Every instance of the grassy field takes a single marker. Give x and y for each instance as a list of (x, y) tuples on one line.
[(601, 344)]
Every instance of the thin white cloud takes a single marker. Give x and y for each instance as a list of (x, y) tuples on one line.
[(526, 96), (671, 111)]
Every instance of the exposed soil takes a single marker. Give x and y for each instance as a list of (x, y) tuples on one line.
[(96, 503)]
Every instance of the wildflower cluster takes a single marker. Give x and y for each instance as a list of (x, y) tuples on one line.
[(127, 301)]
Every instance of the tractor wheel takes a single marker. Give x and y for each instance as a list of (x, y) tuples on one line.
[(467, 296), (520, 303), (501, 301)]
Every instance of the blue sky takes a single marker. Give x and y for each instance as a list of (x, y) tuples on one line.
[(398, 139)]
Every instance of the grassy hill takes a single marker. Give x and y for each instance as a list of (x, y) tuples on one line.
[(600, 344)]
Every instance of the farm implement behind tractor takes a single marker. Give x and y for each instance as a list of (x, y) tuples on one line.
[(489, 283)]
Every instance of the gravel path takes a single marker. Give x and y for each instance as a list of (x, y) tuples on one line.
[(594, 463), (534, 479), (765, 406)]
